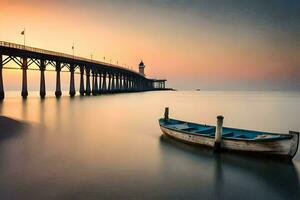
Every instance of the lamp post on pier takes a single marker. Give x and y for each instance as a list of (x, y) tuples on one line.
[(24, 37)]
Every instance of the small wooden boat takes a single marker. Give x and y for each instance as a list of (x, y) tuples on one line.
[(218, 137)]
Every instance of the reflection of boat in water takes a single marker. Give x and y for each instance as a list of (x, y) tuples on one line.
[(255, 177), (231, 138)]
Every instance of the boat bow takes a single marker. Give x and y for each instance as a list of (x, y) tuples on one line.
[(294, 144)]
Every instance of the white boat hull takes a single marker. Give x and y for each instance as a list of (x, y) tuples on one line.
[(285, 147)]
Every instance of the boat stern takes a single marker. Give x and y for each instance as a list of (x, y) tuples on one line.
[(294, 144)]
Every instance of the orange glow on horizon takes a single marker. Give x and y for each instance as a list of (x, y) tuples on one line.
[(170, 50)]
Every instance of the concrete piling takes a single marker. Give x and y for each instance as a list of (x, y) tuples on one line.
[(88, 83), (58, 92), (96, 84), (42, 80), (81, 87), (72, 91), (24, 92)]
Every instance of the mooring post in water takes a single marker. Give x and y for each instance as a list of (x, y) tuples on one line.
[(166, 113), (218, 134)]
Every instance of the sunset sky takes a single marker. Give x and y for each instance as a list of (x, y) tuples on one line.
[(207, 44)]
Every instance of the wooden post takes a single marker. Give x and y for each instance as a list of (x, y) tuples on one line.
[(166, 113), (218, 134)]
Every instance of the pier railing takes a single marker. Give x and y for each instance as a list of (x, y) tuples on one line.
[(64, 55), (106, 78)]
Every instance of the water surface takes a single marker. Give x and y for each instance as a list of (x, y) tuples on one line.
[(111, 147)]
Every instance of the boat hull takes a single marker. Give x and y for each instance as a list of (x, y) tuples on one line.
[(284, 148)]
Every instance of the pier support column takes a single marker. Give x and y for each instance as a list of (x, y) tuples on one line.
[(133, 83), (58, 92), (104, 82), (140, 85), (113, 82), (81, 87), (109, 82), (88, 83), (42, 81), (2, 95), (93, 83), (121, 82), (117, 82), (24, 92), (136, 84), (96, 84), (72, 91), (126, 83), (100, 83), (130, 83)]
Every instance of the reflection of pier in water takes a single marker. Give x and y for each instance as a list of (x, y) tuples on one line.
[(238, 176)]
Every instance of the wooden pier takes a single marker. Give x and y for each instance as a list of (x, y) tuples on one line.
[(106, 78)]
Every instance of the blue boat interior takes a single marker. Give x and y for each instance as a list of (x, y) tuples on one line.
[(209, 131)]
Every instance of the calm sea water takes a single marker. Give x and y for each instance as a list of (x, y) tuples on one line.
[(111, 147)]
